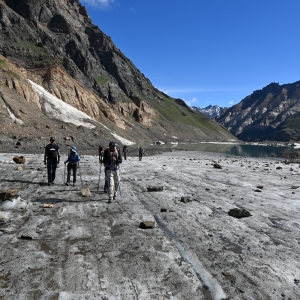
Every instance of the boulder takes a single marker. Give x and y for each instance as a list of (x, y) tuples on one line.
[(147, 224), (186, 199), (217, 166), (9, 194), (155, 188), (19, 159), (239, 213), (86, 192)]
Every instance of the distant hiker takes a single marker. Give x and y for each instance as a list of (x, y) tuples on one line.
[(125, 150), (51, 159), (73, 160), (101, 152), (111, 159), (141, 152)]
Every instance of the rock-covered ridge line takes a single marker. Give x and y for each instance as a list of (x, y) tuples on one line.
[(56, 45), (265, 114)]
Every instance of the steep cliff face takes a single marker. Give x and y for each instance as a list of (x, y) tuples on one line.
[(56, 45), (259, 116)]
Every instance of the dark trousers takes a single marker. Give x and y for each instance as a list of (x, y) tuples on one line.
[(140, 156), (51, 166), (125, 155), (74, 168)]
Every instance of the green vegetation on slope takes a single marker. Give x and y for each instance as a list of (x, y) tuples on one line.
[(290, 124), (103, 79), (177, 113)]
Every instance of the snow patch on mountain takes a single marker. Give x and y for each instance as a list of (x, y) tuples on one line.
[(57, 109)]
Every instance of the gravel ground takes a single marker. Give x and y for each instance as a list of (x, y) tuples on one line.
[(84, 248)]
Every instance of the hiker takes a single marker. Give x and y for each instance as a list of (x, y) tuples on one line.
[(51, 159), (111, 159), (101, 152), (141, 152), (125, 150), (73, 160)]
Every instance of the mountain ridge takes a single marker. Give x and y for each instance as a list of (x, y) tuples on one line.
[(56, 45), (260, 115)]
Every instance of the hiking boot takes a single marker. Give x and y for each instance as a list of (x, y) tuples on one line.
[(49, 183), (74, 183), (67, 183), (105, 191)]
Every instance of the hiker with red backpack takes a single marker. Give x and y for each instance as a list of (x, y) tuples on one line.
[(111, 159)]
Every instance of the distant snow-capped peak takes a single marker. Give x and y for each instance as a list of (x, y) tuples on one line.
[(211, 111)]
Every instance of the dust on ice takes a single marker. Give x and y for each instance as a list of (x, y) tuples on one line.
[(87, 248)]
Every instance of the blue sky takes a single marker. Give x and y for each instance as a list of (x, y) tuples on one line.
[(205, 52)]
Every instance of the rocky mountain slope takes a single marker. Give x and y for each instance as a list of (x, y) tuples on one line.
[(271, 113), (211, 111), (56, 45)]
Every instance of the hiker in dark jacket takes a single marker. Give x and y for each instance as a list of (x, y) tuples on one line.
[(73, 160), (51, 159), (141, 152), (111, 159), (125, 150)]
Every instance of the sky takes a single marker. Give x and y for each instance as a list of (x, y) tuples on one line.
[(213, 52)]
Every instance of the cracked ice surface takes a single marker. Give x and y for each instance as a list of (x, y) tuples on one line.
[(85, 248)]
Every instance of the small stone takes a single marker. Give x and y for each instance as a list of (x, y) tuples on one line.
[(279, 168), (163, 210), (260, 187), (295, 187), (257, 190), (46, 205)]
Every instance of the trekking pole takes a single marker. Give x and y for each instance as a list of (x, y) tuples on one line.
[(119, 183), (99, 176), (65, 166), (80, 176), (108, 183)]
